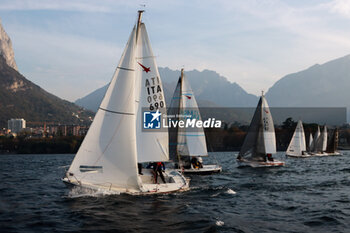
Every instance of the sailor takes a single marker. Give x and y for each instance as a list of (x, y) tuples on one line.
[(194, 162), (139, 166), (158, 168), (200, 162), (269, 157)]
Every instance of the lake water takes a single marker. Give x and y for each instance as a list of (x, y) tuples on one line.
[(307, 195)]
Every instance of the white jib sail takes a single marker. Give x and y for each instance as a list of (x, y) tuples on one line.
[(324, 138), (298, 143), (191, 140), (268, 128), (107, 156), (310, 142), (316, 138), (151, 146)]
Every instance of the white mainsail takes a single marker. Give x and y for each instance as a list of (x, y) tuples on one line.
[(310, 142), (261, 138), (151, 146), (298, 143), (324, 137), (321, 142), (316, 136), (268, 128), (191, 141), (107, 156), (174, 111)]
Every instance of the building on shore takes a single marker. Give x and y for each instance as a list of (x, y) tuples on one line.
[(16, 125)]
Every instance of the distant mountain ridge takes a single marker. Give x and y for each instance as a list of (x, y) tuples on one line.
[(20, 98), (326, 85), (211, 90)]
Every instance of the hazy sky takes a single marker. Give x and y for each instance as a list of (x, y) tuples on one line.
[(71, 47)]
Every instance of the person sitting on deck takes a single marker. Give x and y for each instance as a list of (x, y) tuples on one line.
[(269, 157), (196, 162), (200, 162)]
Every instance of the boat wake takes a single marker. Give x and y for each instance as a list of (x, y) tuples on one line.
[(230, 191), (78, 192), (219, 223)]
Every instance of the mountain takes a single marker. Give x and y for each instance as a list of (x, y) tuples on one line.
[(6, 48), (211, 90), (325, 85), (20, 98)]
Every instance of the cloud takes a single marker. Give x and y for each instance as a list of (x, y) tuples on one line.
[(65, 5), (341, 7)]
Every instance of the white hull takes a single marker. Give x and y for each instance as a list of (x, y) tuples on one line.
[(247, 163), (206, 169), (326, 154), (299, 155), (175, 182)]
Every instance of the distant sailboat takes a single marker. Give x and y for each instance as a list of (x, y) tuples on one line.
[(333, 144), (187, 145), (314, 142), (321, 143), (114, 145), (260, 142), (297, 145)]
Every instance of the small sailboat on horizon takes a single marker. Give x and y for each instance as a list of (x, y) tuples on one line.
[(187, 146), (325, 148), (297, 145), (260, 142), (115, 144)]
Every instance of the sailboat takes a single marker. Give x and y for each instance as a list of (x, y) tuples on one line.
[(187, 145), (320, 143), (297, 145), (333, 144), (313, 146), (115, 143), (260, 142)]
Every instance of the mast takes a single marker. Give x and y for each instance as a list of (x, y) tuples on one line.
[(140, 12), (179, 112)]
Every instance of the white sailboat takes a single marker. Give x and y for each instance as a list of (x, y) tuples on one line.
[(321, 143), (313, 147), (297, 145), (260, 142), (114, 145), (333, 144), (187, 146)]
